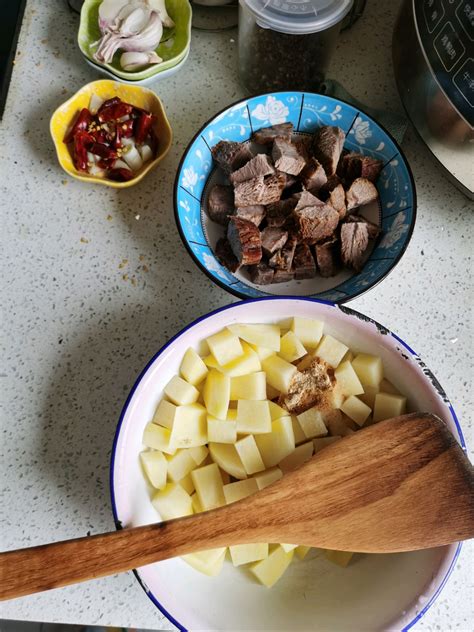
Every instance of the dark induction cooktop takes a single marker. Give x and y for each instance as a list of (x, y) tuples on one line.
[(12, 14)]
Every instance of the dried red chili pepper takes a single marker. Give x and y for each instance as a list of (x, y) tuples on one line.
[(82, 122), (143, 127), (103, 151), (114, 112), (82, 141), (108, 102), (121, 175)]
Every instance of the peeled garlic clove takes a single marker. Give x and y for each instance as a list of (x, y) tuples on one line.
[(135, 21), (160, 7), (133, 60)]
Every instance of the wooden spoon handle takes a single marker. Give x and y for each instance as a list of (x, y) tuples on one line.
[(26, 571)]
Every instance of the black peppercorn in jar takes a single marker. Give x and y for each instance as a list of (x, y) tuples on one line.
[(287, 44)]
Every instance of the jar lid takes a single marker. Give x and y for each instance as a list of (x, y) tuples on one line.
[(298, 17)]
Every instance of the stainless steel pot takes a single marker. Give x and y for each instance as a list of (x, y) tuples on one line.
[(433, 50)]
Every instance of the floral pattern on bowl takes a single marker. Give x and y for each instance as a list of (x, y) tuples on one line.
[(395, 213)]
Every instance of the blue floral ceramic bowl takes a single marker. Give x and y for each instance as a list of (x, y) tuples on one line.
[(394, 212)]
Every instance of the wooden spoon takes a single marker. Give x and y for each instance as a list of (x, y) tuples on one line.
[(401, 485)]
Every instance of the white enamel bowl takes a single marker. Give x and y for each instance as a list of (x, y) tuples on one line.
[(376, 592)]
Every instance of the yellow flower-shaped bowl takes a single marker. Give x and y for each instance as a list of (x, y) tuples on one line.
[(139, 96)]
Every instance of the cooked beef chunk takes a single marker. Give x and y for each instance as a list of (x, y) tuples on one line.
[(337, 199), (283, 259), (255, 214), (273, 239), (303, 145), (316, 223), (244, 238), (280, 210), (266, 135), (220, 203), (289, 180), (283, 276), (305, 199), (332, 183), (259, 165), (327, 147), (259, 191), (353, 165), (361, 191), (313, 176), (354, 244), (261, 274), (286, 157), (225, 255), (374, 230), (303, 262), (230, 155), (327, 257), (308, 388)]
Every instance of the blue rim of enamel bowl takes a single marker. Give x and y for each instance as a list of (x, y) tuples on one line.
[(244, 296), (346, 310)]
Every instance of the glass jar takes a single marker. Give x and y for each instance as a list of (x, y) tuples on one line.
[(287, 44)]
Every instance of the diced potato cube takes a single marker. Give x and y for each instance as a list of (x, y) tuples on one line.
[(300, 436), (276, 411), (172, 502), (189, 427), (341, 558), (209, 562), (221, 431), (251, 386), (156, 467), (347, 379), (180, 465), (241, 489), (266, 478), (302, 551), (308, 330), (248, 362), (336, 424), (288, 547), (322, 442), (388, 405), (368, 396), (187, 484), (262, 352), (199, 453), (216, 394), (369, 369), (192, 367), (181, 392), (245, 553), (312, 423), (158, 438), (227, 458), (300, 455), (388, 387), (209, 489), (253, 417), (225, 346), (279, 373), (249, 454), (260, 335), (269, 570), (195, 500), (277, 444), (272, 393), (331, 350), (291, 348), (355, 408), (164, 414), (211, 362)]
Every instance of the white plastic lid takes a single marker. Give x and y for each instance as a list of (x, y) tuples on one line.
[(298, 17)]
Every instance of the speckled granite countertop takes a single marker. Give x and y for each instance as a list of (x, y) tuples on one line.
[(77, 334)]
